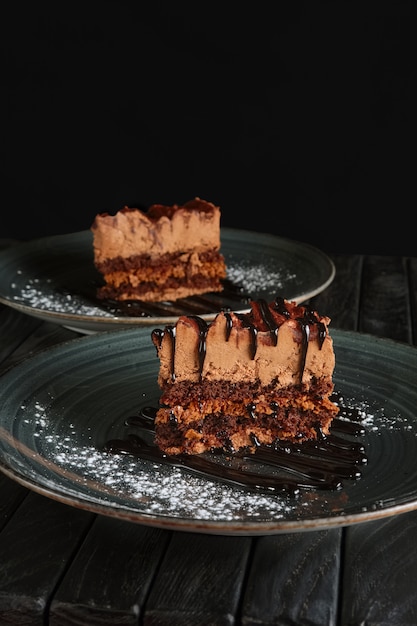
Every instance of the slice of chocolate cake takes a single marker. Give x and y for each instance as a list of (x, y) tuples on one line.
[(244, 379), (166, 253)]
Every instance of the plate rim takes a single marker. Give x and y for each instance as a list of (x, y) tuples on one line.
[(210, 527)]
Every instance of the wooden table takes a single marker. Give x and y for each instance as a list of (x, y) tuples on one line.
[(61, 565)]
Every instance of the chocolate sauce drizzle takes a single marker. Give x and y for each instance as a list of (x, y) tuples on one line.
[(229, 298), (325, 463)]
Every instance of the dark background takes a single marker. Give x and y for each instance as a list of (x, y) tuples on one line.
[(295, 118)]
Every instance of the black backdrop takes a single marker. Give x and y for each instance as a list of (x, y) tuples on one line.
[(296, 118)]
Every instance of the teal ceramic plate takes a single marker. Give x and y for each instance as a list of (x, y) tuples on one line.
[(54, 279), (60, 407)]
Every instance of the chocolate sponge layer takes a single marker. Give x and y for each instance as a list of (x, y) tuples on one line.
[(217, 415)]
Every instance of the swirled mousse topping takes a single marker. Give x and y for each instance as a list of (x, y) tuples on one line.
[(159, 230), (273, 340)]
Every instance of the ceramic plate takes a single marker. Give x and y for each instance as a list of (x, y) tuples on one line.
[(61, 406), (54, 279)]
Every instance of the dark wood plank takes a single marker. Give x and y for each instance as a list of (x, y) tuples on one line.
[(199, 582), (380, 572), (380, 558), (385, 306), (15, 328), (340, 301), (11, 495), (293, 579), (110, 577), (36, 547)]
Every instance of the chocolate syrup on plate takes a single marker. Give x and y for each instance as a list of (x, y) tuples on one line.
[(325, 463), (229, 298)]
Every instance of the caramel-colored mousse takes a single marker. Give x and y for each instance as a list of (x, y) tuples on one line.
[(194, 226), (229, 349)]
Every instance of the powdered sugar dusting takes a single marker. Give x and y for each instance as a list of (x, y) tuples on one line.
[(166, 490), (42, 295), (255, 278), (45, 294), (153, 489), (374, 419)]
